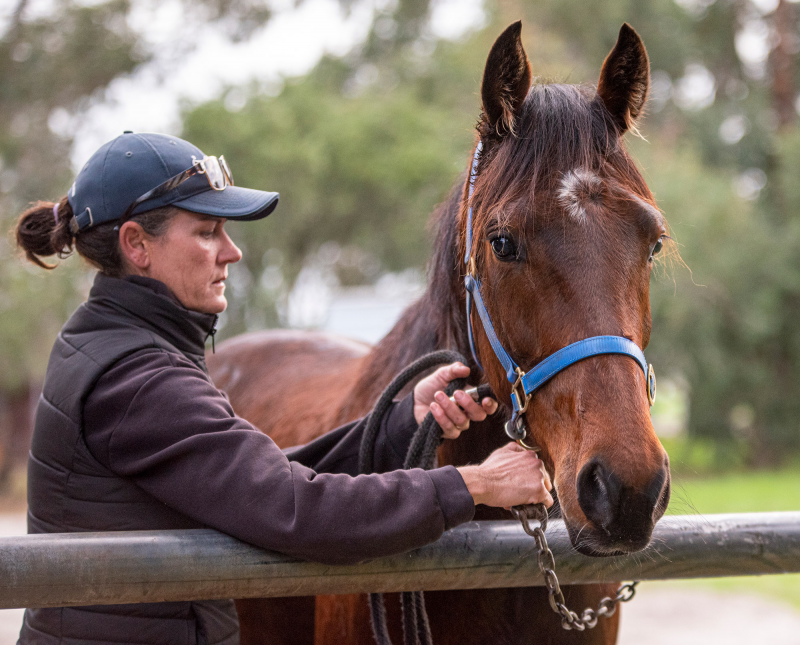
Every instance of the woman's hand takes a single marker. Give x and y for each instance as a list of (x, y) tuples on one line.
[(510, 476), (454, 419)]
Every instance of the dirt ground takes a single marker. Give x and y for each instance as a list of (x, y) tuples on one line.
[(661, 613), (667, 613)]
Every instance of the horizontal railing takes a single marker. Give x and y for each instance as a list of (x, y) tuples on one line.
[(148, 566)]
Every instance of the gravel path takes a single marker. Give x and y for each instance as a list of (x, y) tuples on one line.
[(661, 614), (665, 614)]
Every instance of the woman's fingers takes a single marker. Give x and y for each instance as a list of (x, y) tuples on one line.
[(427, 388), (470, 406), (548, 484), (449, 429), (455, 414), (510, 476), (452, 418), (449, 373), (489, 405)]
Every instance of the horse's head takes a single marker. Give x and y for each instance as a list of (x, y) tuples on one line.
[(564, 232)]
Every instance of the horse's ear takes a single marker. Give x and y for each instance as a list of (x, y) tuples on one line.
[(625, 79), (506, 81)]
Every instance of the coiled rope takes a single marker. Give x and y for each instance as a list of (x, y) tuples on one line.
[(421, 454)]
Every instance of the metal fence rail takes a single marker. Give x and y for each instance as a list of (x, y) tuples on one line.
[(147, 566)]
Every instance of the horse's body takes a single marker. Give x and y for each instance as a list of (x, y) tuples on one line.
[(330, 387), (555, 152)]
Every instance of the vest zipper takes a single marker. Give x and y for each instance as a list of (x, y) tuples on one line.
[(213, 333)]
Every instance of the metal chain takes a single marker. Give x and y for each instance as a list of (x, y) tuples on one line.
[(569, 619)]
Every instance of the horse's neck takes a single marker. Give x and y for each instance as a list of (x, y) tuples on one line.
[(435, 321)]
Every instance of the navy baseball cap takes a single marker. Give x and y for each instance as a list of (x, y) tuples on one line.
[(129, 166)]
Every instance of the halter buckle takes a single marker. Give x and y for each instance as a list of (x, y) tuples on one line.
[(518, 392)]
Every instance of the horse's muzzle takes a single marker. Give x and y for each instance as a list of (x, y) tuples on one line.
[(620, 517)]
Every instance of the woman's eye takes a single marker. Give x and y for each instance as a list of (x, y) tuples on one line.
[(504, 248)]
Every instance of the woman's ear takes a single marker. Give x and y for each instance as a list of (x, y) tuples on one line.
[(135, 247)]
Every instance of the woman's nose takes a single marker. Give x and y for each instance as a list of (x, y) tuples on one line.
[(230, 253)]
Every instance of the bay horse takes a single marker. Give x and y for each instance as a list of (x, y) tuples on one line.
[(564, 233)]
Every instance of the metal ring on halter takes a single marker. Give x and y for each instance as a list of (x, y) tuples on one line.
[(518, 431), (515, 428), (651, 385), (533, 447)]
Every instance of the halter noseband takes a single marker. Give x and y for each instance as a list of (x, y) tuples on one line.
[(525, 384)]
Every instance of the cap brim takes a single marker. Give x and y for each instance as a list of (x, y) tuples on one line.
[(232, 203)]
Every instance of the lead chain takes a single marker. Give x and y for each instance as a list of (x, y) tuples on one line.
[(569, 619)]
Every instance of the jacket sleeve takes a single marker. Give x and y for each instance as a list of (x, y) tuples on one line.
[(337, 451), (156, 419)]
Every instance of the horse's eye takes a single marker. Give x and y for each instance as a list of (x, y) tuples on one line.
[(504, 248), (657, 247)]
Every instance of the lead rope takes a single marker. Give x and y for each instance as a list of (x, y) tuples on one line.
[(421, 454)]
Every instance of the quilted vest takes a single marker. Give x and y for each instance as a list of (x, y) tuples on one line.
[(69, 490)]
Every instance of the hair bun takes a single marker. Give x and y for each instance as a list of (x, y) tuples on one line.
[(43, 230)]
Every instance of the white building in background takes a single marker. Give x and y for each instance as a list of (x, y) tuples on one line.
[(363, 313)]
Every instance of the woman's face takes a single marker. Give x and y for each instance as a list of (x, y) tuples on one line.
[(192, 259)]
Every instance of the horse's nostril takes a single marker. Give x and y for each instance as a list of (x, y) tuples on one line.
[(598, 494), (626, 514), (663, 498)]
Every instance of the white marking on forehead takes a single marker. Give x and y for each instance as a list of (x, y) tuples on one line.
[(580, 188)]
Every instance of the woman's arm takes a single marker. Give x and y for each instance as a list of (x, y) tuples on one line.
[(156, 419), (337, 451)]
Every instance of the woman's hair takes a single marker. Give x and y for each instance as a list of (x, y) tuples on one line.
[(40, 233)]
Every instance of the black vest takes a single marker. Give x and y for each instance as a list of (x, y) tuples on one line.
[(69, 490)]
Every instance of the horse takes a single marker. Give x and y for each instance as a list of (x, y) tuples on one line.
[(563, 237)]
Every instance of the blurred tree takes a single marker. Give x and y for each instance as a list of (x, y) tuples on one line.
[(52, 66), (55, 61), (364, 147)]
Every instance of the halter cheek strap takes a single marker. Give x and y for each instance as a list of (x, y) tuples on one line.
[(525, 384)]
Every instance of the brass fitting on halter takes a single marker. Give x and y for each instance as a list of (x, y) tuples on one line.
[(472, 268), (518, 392)]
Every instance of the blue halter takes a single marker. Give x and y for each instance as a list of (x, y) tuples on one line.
[(525, 384)]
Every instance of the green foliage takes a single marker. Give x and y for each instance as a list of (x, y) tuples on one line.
[(753, 492), (363, 162), (363, 170), (727, 320), (364, 147), (47, 65)]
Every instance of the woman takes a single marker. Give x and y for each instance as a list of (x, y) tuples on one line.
[(130, 433)]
